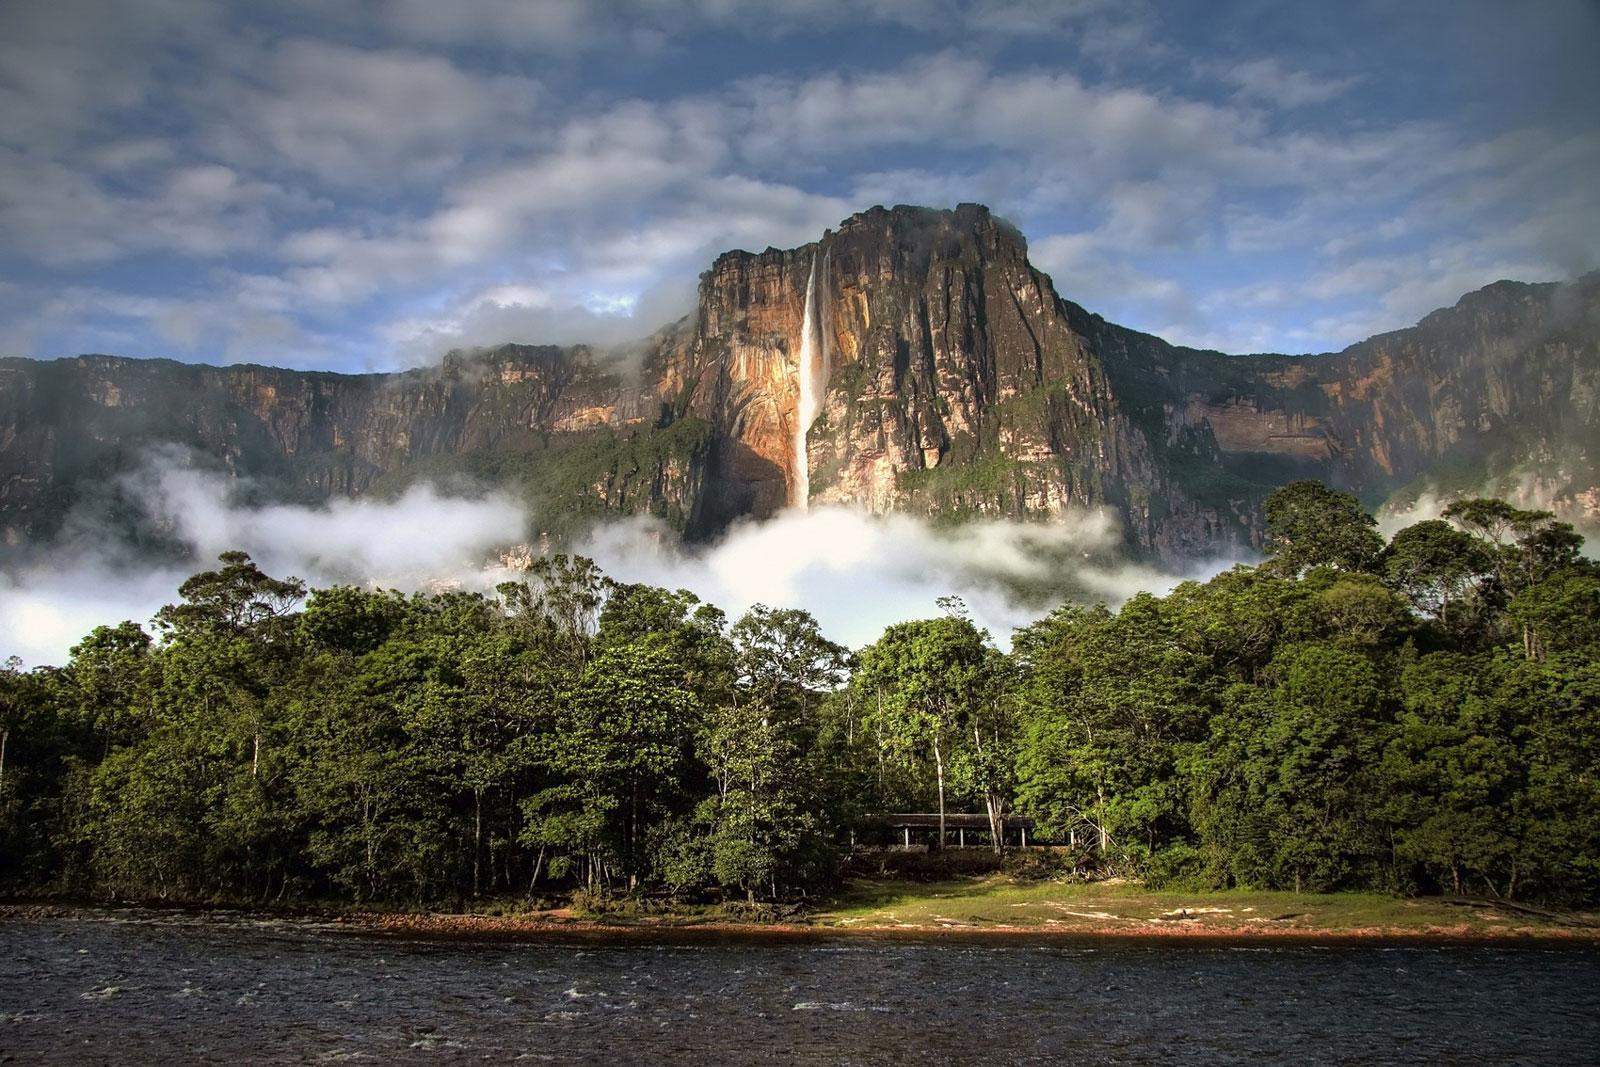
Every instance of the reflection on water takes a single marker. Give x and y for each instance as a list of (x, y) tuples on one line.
[(115, 990)]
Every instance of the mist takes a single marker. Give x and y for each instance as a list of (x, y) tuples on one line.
[(1530, 488), (856, 572), (508, 313), (90, 576)]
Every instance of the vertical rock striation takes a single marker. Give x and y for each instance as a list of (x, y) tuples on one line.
[(911, 360)]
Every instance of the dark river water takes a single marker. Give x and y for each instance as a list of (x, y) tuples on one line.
[(132, 990)]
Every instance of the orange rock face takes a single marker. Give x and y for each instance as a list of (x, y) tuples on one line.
[(960, 384)]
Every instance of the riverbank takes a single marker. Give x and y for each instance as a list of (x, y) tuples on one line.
[(1119, 909), (993, 906)]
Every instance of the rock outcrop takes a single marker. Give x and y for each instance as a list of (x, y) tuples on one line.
[(954, 381)]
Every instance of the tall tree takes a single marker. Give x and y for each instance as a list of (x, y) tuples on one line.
[(616, 756), (1437, 567), (782, 657), (1450, 774), (247, 620), (1285, 786), (1310, 525), (556, 603), (1110, 702), (928, 677)]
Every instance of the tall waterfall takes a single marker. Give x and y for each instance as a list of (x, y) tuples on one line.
[(813, 376)]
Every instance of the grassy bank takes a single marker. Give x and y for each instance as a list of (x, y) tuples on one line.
[(1116, 908), (975, 905)]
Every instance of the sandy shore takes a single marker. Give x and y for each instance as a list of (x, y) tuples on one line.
[(563, 925), (534, 926)]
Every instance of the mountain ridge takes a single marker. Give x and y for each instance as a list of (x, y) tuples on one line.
[(955, 381)]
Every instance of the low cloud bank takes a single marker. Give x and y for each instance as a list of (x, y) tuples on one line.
[(1547, 489), (857, 573), (504, 313), (90, 576)]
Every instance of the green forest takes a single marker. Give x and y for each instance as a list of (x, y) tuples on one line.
[(1416, 716)]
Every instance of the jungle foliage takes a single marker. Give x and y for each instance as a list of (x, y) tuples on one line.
[(1420, 714)]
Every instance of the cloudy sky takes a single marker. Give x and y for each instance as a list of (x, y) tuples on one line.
[(361, 184)]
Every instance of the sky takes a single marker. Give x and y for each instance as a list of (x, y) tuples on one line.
[(363, 184)]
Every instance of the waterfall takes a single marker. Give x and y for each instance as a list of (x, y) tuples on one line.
[(813, 378)]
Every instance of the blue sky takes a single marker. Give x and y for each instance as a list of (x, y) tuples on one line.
[(363, 184)]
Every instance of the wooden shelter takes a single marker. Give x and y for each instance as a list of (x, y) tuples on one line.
[(909, 828)]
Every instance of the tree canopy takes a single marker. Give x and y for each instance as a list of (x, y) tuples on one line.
[(1416, 715)]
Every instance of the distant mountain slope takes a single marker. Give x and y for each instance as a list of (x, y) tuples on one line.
[(945, 376)]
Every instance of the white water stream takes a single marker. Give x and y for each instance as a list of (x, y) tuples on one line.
[(813, 373)]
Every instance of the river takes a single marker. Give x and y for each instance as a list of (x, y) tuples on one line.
[(129, 987)]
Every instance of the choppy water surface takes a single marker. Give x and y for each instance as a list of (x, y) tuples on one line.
[(88, 990)]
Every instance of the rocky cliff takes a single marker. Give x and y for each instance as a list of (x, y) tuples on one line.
[(910, 360), (956, 382)]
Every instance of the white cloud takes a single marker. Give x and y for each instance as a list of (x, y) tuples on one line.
[(60, 216), (544, 26), (1269, 81), (566, 27), (530, 314), (387, 162), (857, 573), (213, 328), (1538, 486), (89, 579), (1087, 268), (356, 115), (1397, 290), (132, 154), (67, 64)]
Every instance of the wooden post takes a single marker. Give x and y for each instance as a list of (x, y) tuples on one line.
[(907, 829), (961, 837)]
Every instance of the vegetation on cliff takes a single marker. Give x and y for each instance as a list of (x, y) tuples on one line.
[(962, 384), (1411, 716), (574, 480)]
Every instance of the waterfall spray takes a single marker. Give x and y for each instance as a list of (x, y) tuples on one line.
[(813, 378)]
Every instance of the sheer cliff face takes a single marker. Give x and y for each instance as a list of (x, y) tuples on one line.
[(948, 376), (957, 383), (961, 384), (1499, 393), (69, 427)]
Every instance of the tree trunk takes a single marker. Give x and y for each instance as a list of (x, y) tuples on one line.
[(991, 800), (372, 857), (633, 834), (877, 728), (938, 763), (1100, 820), (477, 841), (5, 735), (538, 865), (513, 852), (255, 758)]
